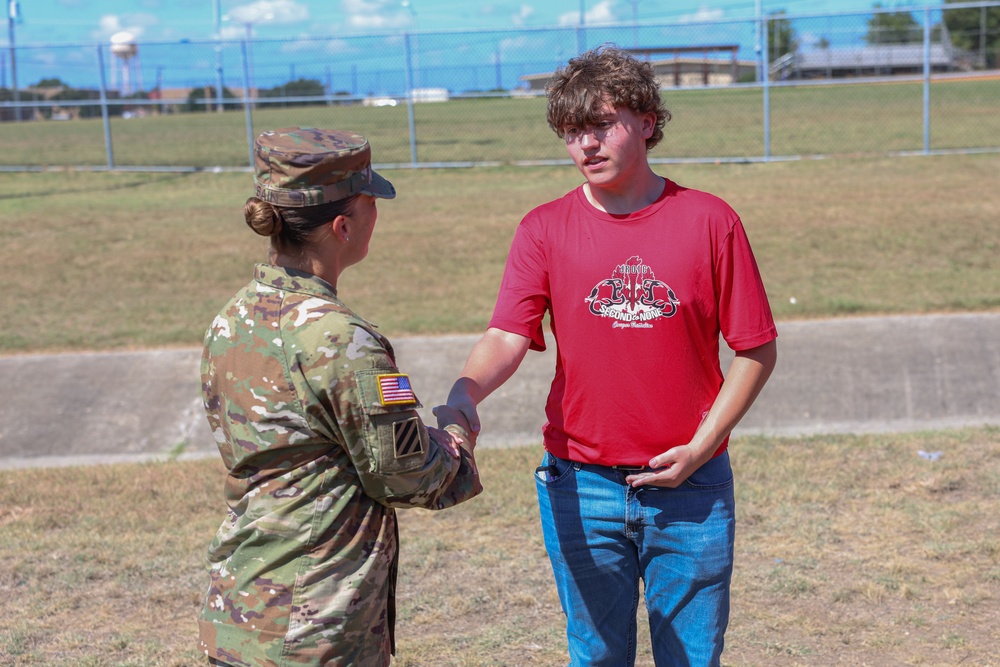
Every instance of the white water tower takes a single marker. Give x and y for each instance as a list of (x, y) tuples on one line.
[(125, 51)]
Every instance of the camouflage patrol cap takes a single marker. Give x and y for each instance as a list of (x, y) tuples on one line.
[(305, 166)]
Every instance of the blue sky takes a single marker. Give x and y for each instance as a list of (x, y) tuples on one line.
[(357, 46), (80, 21)]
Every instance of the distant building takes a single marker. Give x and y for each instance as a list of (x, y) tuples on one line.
[(873, 60), (682, 69), (430, 94), (172, 100), (58, 103)]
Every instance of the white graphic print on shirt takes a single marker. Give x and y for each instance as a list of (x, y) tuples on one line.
[(632, 296)]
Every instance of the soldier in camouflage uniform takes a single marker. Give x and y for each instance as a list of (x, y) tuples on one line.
[(316, 426)]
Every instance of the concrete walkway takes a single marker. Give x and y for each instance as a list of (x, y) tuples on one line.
[(856, 375)]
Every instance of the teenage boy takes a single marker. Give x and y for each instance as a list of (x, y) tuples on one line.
[(639, 276)]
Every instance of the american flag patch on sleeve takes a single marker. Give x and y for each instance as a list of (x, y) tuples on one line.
[(395, 389)]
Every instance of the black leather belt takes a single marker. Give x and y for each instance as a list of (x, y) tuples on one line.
[(631, 468)]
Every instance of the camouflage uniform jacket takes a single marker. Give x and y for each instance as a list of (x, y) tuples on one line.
[(319, 432)]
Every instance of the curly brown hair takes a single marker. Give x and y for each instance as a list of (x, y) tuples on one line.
[(578, 92)]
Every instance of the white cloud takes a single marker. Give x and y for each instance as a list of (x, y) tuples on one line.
[(339, 46), (569, 18), (50, 59), (602, 12), (810, 39), (309, 44), (109, 24), (270, 11), (377, 14), (231, 33), (704, 13), (522, 14), (298, 46), (522, 44)]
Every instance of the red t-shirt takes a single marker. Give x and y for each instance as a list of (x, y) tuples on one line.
[(637, 303)]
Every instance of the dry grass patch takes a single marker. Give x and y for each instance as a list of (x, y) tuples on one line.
[(105, 261), (100, 565), (856, 550), (850, 551)]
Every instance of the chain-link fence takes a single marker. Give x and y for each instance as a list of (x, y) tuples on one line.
[(915, 79)]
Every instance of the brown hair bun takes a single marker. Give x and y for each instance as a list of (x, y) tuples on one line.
[(262, 217)]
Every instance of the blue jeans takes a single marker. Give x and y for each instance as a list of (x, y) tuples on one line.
[(602, 536)]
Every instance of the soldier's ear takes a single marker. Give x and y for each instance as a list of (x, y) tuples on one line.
[(340, 225)]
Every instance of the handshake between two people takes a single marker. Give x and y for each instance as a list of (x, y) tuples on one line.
[(459, 422)]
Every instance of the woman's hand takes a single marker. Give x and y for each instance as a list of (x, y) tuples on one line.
[(460, 428), (451, 442)]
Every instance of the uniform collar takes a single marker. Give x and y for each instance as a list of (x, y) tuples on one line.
[(292, 280)]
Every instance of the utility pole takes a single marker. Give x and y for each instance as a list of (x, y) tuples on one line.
[(635, 24), (248, 21), (499, 71), (12, 15), (415, 50), (757, 32), (218, 57), (581, 38), (982, 35)]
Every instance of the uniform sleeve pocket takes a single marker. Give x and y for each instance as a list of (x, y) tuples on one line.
[(394, 434)]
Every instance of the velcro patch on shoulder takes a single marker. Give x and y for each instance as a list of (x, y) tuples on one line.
[(395, 389), (406, 435)]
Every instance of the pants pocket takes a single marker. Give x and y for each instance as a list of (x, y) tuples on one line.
[(554, 469), (716, 473)]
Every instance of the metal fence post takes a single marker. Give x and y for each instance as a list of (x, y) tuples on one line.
[(766, 76), (218, 57), (246, 102), (927, 80), (409, 101), (104, 110)]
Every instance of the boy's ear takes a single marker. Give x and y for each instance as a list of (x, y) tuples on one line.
[(648, 124)]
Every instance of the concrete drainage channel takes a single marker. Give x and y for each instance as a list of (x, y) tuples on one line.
[(851, 375)]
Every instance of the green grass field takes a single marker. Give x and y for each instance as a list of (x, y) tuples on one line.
[(857, 119), (851, 550), (105, 261)]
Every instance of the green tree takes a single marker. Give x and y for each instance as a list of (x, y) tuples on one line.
[(893, 28), (297, 88), (9, 113), (68, 95), (51, 83), (195, 97), (781, 38), (976, 29)]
